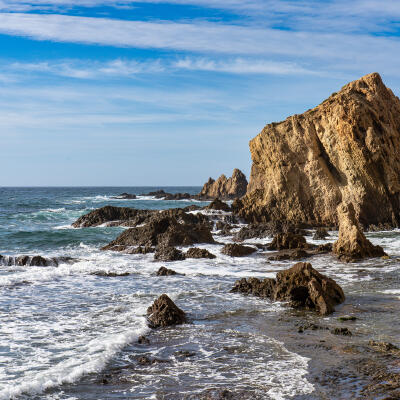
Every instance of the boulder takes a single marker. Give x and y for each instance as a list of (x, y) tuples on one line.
[(165, 272), (225, 188), (352, 244), (168, 228), (164, 312), (320, 234), (297, 254), (168, 253), (34, 261), (140, 250), (125, 196), (195, 252), (301, 285), (237, 250), (218, 205), (109, 214), (288, 240), (344, 150)]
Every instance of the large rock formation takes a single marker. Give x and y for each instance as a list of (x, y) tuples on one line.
[(225, 188), (352, 244), (344, 150), (301, 285)]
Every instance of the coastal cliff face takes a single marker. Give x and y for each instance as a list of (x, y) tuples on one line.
[(225, 188), (344, 150)]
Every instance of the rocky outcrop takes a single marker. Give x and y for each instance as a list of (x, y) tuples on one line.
[(164, 312), (218, 205), (34, 261), (161, 194), (125, 196), (225, 188), (344, 150), (352, 244), (237, 250), (283, 241), (301, 285), (195, 252), (168, 253), (109, 214), (169, 228)]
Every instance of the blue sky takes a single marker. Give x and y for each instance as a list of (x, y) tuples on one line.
[(106, 92)]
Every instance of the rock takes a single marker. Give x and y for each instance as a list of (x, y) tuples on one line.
[(341, 331), (161, 194), (344, 150), (352, 244), (34, 261), (296, 254), (304, 287), (260, 288), (301, 285), (325, 248), (383, 346), (288, 240), (195, 252), (140, 250), (164, 312), (127, 196), (347, 318), (218, 205), (110, 274), (320, 234), (168, 253), (225, 188), (143, 340), (110, 214), (237, 250), (165, 272), (169, 228)]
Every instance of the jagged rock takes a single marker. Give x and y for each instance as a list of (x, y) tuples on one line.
[(168, 253), (161, 194), (296, 254), (125, 196), (325, 248), (218, 205), (195, 252), (260, 288), (344, 150), (352, 243), (237, 250), (225, 188), (341, 331), (383, 346), (169, 228), (110, 274), (301, 285), (140, 250), (109, 214), (320, 234), (143, 340), (34, 261), (165, 272), (164, 312), (288, 240)]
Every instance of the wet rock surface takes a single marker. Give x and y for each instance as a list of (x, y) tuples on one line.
[(35, 261), (163, 271), (237, 250), (168, 253), (164, 312), (195, 252), (218, 205), (125, 196), (283, 241)]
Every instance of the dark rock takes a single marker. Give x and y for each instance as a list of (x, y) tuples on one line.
[(195, 252), (164, 312), (312, 327), (296, 254), (288, 241), (325, 248), (127, 196), (143, 340), (218, 205), (341, 331), (320, 234), (110, 274), (143, 360), (301, 285), (161, 194), (169, 228), (237, 250), (347, 318), (168, 253), (165, 272), (140, 250), (102, 215), (260, 288), (382, 346)]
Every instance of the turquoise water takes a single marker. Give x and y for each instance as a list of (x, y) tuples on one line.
[(65, 331)]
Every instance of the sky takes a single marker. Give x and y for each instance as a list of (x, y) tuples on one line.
[(169, 92)]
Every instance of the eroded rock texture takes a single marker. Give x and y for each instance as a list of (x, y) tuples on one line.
[(344, 150), (164, 312), (225, 188)]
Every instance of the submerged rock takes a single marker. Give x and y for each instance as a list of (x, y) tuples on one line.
[(195, 252), (344, 150), (164, 312), (237, 250), (301, 285), (225, 188), (352, 244)]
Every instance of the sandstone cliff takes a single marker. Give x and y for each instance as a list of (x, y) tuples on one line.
[(225, 188), (347, 149)]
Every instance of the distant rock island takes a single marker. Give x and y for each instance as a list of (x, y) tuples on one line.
[(346, 150)]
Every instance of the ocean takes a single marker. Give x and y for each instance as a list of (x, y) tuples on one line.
[(67, 333)]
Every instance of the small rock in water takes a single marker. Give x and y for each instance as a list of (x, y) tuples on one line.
[(168, 253), (165, 272), (164, 312), (195, 252), (237, 250), (143, 340), (320, 234), (347, 318), (110, 274), (382, 346), (341, 331)]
